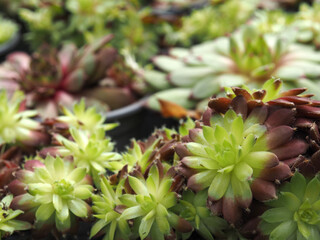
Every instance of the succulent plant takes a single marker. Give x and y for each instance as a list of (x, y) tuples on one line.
[(94, 152), (85, 119), (150, 205), (81, 22), (8, 30), (303, 26), (54, 190), (105, 207), (295, 214), (137, 156), (239, 153), (247, 57), (305, 121), (307, 23), (193, 207), (41, 19), (202, 26), (158, 147), (17, 125), (271, 93), (50, 78), (8, 223), (275, 21)]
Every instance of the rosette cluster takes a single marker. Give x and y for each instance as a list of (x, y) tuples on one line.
[(248, 169), (249, 57), (51, 77), (53, 191)]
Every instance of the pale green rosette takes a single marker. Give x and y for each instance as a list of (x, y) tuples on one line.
[(88, 120), (56, 191), (94, 152), (15, 125)]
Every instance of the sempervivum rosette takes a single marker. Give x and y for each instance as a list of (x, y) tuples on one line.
[(306, 119), (296, 212), (145, 208), (106, 207), (158, 147), (94, 152), (17, 125), (239, 152), (52, 191), (149, 200), (51, 77), (88, 119), (247, 57)]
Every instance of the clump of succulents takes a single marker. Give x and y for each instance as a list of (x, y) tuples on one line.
[(81, 135), (50, 77), (243, 147), (17, 125), (141, 204), (159, 146), (295, 214), (147, 202), (202, 26), (82, 22), (225, 176), (8, 223), (247, 57), (7, 30), (54, 191)]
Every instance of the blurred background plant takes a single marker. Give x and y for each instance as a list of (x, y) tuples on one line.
[(246, 57), (83, 21), (303, 25), (308, 24), (51, 77), (8, 29), (202, 24), (272, 21)]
